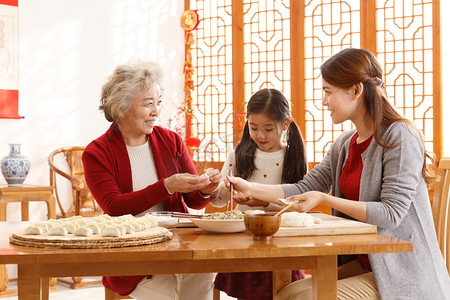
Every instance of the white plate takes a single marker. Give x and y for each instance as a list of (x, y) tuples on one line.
[(220, 226), (167, 221)]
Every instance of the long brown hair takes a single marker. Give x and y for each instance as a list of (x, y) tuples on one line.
[(275, 105), (351, 66)]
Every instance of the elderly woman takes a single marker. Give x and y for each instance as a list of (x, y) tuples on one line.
[(137, 167)]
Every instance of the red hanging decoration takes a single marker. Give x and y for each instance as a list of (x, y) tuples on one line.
[(189, 22)]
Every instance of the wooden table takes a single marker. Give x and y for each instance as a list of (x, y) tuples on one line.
[(23, 194), (193, 251)]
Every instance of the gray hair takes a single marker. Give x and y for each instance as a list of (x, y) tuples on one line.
[(126, 82)]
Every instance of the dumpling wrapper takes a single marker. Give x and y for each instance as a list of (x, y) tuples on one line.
[(33, 230), (58, 230)]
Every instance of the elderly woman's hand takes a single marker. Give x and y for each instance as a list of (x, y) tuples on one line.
[(186, 183), (214, 177)]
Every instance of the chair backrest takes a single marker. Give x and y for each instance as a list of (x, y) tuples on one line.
[(82, 197), (441, 208)]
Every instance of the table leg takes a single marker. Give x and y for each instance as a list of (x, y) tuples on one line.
[(29, 282), (2, 210), (280, 279), (51, 208), (45, 283), (25, 211), (324, 278)]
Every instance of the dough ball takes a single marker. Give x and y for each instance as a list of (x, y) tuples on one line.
[(296, 219), (254, 212)]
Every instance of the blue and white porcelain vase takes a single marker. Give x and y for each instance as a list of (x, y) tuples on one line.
[(15, 166)]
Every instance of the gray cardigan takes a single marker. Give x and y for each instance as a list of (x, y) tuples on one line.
[(397, 203)]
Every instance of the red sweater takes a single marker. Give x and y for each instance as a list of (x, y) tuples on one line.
[(108, 175), (351, 178)]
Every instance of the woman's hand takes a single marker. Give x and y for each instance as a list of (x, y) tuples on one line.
[(214, 178), (249, 201), (186, 182), (307, 201)]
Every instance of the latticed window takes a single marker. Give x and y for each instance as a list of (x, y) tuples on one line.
[(243, 46)]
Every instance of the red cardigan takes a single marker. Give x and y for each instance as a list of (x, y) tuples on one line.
[(108, 175)]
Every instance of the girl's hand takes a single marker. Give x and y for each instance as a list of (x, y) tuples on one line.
[(249, 201), (239, 185), (308, 201), (186, 182), (214, 178)]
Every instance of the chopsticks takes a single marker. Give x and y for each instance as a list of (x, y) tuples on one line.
[(184, 215), (230, 203), (175, 214), (286, 208)]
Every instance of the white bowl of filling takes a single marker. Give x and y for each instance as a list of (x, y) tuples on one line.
[(228, 222)]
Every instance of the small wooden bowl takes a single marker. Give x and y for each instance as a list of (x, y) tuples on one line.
[(263, 226)]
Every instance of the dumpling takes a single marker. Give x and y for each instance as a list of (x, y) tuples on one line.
[(83, 231), (126, 217), (106, 217), (151, 219), (95, 228), (70, 226), (137, 227), (81, 222), (35, 230), (121, 228), (58, 230), (129, 228), (111, 232), (43, 225), (98, 219), (144, 223)]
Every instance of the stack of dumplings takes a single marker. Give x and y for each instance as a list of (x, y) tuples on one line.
[(103, 225)]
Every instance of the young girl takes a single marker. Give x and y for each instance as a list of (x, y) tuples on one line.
[(262, 157), (377, 173)]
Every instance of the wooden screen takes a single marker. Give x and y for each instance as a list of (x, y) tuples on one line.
[(242, 46)]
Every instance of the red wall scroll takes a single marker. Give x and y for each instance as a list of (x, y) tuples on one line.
[(9, 56)]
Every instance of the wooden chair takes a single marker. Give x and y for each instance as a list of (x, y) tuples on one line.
[(83, 202), (441, 209)]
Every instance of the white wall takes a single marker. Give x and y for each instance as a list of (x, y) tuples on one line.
[(69, 47)]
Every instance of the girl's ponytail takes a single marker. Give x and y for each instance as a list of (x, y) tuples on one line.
[(295, 165), (245, 155)]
